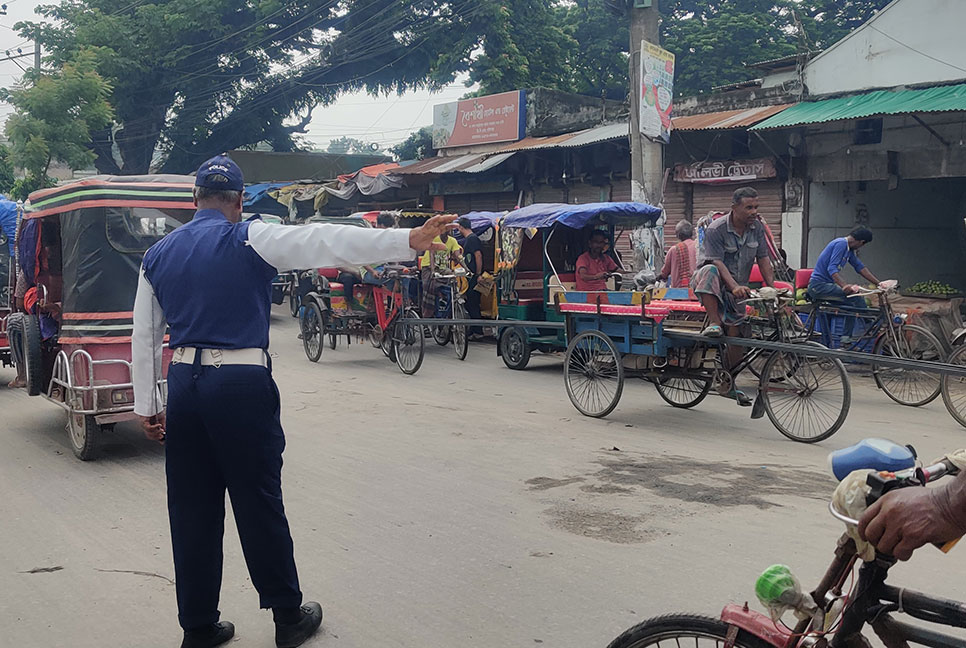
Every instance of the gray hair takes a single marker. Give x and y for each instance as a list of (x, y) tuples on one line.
[(220, 195), (684, 230), (743, 192)]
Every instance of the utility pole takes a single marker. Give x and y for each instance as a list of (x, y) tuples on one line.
[(37, 56), (647, 159)]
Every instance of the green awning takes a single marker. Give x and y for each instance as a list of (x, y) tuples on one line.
[(870, 104)]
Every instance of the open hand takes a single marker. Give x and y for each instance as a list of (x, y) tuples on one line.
[(421, 238), (153, 426)]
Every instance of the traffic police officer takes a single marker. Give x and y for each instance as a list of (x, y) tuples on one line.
[(208, 284)]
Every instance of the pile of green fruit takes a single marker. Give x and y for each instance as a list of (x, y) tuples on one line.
[(933, 288)]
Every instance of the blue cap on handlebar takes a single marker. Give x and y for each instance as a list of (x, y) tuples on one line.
[(871, 454)]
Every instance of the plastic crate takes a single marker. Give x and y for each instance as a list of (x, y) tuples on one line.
[(836, 325)]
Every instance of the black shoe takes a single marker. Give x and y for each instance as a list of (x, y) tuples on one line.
[(291, 635), (208, 636)]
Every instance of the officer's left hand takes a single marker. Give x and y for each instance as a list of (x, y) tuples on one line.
[(153, 426), (421, 238)]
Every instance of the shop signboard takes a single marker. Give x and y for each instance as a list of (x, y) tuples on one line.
[(480, 120), (725, 171), (657, 90)]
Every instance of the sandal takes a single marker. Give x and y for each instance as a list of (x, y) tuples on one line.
[(713, 331), (739, 397)]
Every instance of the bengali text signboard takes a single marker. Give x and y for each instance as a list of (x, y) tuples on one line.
[(726, 171), (481, 120)]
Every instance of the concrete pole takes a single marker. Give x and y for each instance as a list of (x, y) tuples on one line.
[(37, 56), (647, 159)]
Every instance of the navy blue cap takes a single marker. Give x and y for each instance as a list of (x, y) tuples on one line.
[(220, 172)]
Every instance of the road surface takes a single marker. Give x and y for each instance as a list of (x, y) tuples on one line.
[(468, 505)]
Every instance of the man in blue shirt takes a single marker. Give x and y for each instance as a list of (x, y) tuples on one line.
[(827, 283), (208, 285)]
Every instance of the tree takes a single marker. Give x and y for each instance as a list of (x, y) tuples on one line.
[(55, 116), (418, 146), (192, 79), (347, 144), (7, 177)]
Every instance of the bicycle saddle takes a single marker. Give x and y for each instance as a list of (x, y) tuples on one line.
[(871, 454)]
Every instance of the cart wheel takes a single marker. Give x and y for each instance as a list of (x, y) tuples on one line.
[(27, 328), (593, 374), (805, 396), (408, 344), (293, 295), (682, 391), (333, 341), (909, 386), (82, 430), (313, 331), (515, 348), (460, 342), (375, 336), (954, 388)]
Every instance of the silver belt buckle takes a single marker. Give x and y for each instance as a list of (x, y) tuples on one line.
[(178, 355), (216, 358)]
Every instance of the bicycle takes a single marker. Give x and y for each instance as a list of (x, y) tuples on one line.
[(886, 334), (451, 304), (835, 613)]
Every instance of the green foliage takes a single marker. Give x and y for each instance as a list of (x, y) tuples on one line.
[(418, 146), (23, 187), (347, 144), (7, 177), (55, 116)]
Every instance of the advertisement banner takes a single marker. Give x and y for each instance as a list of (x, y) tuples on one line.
[(481, 120), (657, 90)]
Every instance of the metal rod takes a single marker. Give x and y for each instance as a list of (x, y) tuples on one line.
[(822, 352), (439, 321)]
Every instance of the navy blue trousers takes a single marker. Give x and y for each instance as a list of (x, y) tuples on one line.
[(223, 433)]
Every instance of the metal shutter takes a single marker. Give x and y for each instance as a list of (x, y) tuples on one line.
[(677, 197), (458, 204), (582, 193), (495, 202), (620, 191), (548, 194), (718, 198)]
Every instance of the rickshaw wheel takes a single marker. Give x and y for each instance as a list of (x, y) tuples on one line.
[(441, 334), (514, 349), (313, 331), (408, 344), (805, 396), (954, 388), (460, 342), (593, 374), (82, 430), (682, 391), (293, 295), (333, 341), (908, 386), (375, 335)]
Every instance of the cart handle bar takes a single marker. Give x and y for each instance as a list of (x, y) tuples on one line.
[(929, 474)]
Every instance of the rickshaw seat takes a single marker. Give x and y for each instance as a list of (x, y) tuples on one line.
[(335, 285), (529, 287), (329, 273)]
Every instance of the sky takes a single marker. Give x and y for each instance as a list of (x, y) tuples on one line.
[(384, 120)]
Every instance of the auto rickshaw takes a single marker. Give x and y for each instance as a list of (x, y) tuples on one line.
[(80, 246), (537, 255)]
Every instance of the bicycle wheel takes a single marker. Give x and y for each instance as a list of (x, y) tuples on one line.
[(408, 344), (682, 391), (954, 388), (909, 386), (696, 631), (313, 331), (593, 374), (806, 397), (460, 342)]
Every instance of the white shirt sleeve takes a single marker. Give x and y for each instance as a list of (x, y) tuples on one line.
[(318, 245), (146, 347)]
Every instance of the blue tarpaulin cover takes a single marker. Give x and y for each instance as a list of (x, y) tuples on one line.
[(258, 201), (480, 221), (579, 216), (8, 221)]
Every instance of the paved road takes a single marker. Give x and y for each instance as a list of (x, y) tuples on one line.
[(467, 505)]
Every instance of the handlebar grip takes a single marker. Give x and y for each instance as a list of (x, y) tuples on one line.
[(946, 548)]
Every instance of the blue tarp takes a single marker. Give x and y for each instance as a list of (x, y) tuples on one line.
[(257, 200), (8, 221), (480, 221), (579, 216)]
